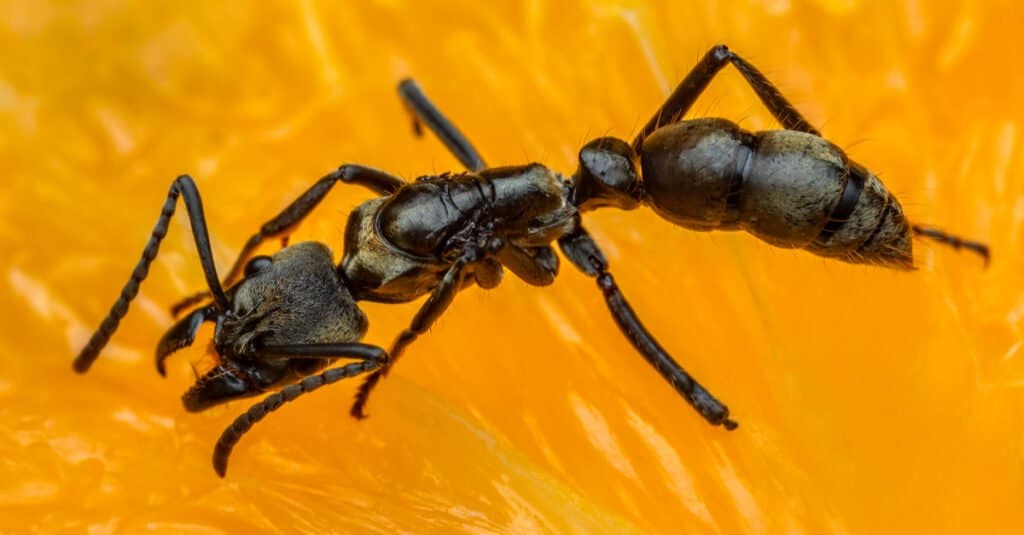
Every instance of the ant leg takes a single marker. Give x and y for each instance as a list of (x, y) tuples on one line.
[(436, 304), (583, 252), (372, 357), (536, 266), (680, 101), (953, 241), (424, 111), (377, 181), (184, 187)]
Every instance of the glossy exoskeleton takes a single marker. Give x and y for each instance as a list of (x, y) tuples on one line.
[(286, 317)]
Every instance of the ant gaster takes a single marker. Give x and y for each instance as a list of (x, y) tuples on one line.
[(286, 317)]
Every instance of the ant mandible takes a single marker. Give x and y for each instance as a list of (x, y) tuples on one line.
[(286, 317)]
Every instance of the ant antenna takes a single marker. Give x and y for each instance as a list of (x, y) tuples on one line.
[(182, 186)]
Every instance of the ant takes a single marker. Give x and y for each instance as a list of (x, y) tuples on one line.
[(285, 318)]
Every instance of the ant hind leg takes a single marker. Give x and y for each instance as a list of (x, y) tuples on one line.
[(686, 93), (584, 253), (953, 241)]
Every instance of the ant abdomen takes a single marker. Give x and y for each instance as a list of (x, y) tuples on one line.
[(788, 188)]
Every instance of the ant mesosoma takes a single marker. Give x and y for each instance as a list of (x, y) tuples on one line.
[(286, 317)]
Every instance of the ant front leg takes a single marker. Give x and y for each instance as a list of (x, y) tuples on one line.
[(371, 357), (680, 101), (584, 253), (435, 306), (282, 224)]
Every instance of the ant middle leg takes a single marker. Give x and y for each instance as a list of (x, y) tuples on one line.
[(424, 112), (282, 224), (434, 307), (686, 93), (579, 247)]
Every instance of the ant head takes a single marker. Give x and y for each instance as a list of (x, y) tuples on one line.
[(294, 297), (607, 176)]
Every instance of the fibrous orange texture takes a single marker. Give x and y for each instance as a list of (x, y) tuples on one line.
[(869, 401)]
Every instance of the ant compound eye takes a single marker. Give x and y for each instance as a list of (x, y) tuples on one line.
[(257, 264)]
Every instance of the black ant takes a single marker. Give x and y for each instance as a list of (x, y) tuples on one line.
[(286, 317)]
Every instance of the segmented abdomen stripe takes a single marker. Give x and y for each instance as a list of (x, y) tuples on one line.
[(749, 144), (855, 178), (881, 223)]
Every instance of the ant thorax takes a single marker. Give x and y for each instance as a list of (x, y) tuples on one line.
[(396, 246)]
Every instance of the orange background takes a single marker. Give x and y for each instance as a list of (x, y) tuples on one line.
[(869, 400)]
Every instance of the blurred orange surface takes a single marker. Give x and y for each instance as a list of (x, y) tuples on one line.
[(870, 401)]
